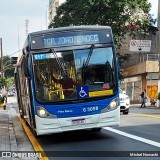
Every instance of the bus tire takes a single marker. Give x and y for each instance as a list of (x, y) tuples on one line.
[(96, 129), (26, 123), (34, 133), (21, 115)]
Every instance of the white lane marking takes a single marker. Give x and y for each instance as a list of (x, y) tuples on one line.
[(153, 143)]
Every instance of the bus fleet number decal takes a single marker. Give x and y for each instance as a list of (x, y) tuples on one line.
[(90, 109)]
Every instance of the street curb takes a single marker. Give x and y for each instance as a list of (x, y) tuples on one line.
[(12, 136), (13, 141), (147, 106)]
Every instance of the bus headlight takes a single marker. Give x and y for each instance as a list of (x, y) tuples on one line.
[(113, 105), (42, 112)]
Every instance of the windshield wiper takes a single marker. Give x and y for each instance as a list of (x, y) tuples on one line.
[(85, 63), (89, 55), (61, 66)]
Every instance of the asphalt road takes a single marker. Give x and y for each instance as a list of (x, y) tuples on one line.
[(137, 133)]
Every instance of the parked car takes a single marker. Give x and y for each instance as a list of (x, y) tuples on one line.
[(124, 102), (10, 92)]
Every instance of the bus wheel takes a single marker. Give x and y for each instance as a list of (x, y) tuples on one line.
[(26, 123), (21, 115), (96, 129), (34, 133)]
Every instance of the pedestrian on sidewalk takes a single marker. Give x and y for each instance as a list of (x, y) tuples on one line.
[(3, 101), (143, 99)]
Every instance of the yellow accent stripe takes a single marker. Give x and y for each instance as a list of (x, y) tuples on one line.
[(100, 93), (37, 147), (148, 115)]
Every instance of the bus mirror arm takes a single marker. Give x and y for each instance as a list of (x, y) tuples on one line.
[(26, 72), (28, 77), (25, 50)]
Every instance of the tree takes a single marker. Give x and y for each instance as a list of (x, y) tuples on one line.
[(8, 69), (8, 79), (7, 82), (2, 82), (122, 15)]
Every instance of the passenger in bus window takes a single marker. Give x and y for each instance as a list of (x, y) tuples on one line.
[(67, 85), (91, 79), (39, 88)]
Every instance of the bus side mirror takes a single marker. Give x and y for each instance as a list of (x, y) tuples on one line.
[(25, 50), (26, 72), (25, 68)]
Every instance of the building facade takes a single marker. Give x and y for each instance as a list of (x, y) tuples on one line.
[(53, 5), (141, 71)]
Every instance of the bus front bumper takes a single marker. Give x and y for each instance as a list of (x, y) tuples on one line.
[(56, 125)]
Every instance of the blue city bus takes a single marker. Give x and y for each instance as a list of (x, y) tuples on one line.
[(67, 79)]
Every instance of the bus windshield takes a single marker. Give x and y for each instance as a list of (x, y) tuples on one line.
[(58, 75)]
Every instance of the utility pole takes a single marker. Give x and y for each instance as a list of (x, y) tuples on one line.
[(1, 57), (46, 19), (1, 50), (18, 39), (158, 32), (158, 45), (26, 27)]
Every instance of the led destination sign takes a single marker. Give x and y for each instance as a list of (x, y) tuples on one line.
[(70, 39)]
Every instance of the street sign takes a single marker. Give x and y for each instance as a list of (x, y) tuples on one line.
[(155, 77), (14, 60), (140, 45)]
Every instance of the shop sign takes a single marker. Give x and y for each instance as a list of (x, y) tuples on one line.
[(153, 77)]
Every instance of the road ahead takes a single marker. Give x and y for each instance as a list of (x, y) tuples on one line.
[(137, 133)]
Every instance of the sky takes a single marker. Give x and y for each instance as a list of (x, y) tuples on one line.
[(154, 8), (13, 16)]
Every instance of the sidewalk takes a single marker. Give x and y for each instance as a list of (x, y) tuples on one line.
[(12, 135), (148, 106)]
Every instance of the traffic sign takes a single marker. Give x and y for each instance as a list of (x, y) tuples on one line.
[(140, 45)]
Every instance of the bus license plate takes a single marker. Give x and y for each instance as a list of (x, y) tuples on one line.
[(78, 121)]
